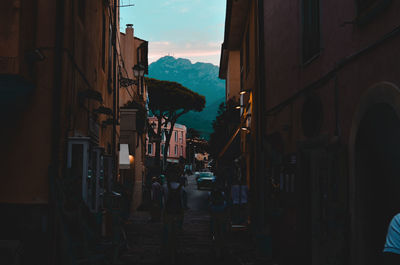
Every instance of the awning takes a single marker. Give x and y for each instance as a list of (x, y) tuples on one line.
[(229, 142), (124, 157)]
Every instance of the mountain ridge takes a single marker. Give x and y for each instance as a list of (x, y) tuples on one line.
[(199, 77)]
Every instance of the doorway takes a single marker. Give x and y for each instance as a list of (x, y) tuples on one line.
[(377, 179)]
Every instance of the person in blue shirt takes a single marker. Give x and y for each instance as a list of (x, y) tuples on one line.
[(391, 250)]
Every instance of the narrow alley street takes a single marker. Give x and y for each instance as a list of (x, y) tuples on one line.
[(288, 111), (144, 237)]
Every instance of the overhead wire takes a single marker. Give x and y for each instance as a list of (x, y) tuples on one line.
[(121, 60)]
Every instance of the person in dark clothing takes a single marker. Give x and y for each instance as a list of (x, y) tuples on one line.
[(219, 219), (173, 213), (156, 199), (184, 181)]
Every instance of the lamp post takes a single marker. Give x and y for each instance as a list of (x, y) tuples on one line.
[(138, 72)]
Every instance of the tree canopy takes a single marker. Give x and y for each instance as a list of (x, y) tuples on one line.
[(167, 96), (193, 133), (168, 101)]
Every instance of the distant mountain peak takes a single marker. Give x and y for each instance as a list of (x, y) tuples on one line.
[(172, 59), (199, 77)]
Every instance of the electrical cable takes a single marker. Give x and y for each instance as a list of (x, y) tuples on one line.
[(117, 40)]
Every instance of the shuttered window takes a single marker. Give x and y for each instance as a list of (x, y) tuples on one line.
[(311, 29)]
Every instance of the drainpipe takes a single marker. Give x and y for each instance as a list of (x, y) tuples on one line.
[(261, 98), (336, 91), (114, 128), (54, 168)]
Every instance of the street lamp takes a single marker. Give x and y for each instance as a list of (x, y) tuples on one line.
[(244, 91), (138, 72), (246, 127)]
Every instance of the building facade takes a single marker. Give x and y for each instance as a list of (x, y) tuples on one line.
[(59, 86), (322, 138), (177, 145), (132, 101), (229, 70)]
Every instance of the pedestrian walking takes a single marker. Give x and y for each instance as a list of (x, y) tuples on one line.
[(156, 200), (391, 250), (173, 211), (218, 219), (184, 181), (239, 203)]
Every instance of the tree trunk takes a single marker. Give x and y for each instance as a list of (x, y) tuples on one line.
[(158, 143), (167, 140)]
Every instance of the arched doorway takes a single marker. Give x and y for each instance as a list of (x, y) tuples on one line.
[(375, 171)]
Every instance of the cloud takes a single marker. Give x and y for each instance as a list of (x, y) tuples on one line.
[(196, 51), (184, 10), (214, 44), (171, 2), (161, 43)]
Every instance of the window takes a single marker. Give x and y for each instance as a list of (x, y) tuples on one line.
[(150, 149), (176, 150), (78, 162), (311, 30), (181, 150), (163, 135), (176, 137), (162, 149), (168, 151), (181, 137)]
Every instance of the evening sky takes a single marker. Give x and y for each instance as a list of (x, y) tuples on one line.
[(191, 29)]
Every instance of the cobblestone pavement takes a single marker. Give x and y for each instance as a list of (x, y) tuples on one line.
[(144, 238)]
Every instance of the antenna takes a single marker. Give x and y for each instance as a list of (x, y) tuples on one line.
[(126, 5)]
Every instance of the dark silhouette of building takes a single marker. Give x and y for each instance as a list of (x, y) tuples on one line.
[(59, 86), (322, 85)]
